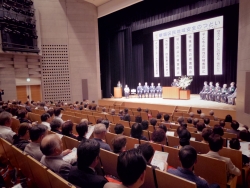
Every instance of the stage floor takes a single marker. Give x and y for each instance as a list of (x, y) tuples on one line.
[(193, 102)]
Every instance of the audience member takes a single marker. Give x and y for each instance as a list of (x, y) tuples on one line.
[(23, 116), (138, 109), (58, 114), (222, 123), (106, 123), (159, 136), (147, 151), (119, 143), (51, 113), (131, 168), (153, 122), (136, 132), (235, 144), (179, 130), (84, 175), (202, 115), (218, 130), (5, 126), (126, 117), (228, 118), (144, 124), (138, 119), (188, 158), (235, 125), (180, 120), (149, 115), (215, 145), (244, 135), (85, 120), (195, 121), (99, 135), (104, 110), (205, 134), (207, 122), (81, 129), (166, 118), (46, 120), (189, 120), (191, 114), (184, 138), (52, 149), (112, 112), (99, 120), (56, 126), (120, 114), (211, 113), (67, 129), (159, 116), (199, 111), (23, 136), (119, 128), (200, 127), (37, 133)]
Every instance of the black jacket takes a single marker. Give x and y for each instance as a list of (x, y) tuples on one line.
[(20, 143)]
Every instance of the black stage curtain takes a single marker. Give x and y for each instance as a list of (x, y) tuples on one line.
[(126, 42)]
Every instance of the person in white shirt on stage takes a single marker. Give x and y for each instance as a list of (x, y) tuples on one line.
[(126, 91), (119, 84), (152, 90), (158, 90), (175, 83)]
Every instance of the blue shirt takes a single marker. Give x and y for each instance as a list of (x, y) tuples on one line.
[(103, 145), (188, 175)]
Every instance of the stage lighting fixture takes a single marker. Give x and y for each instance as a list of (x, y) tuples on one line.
[(8, 7)]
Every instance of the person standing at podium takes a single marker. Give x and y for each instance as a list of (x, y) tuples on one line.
[(152, 90), (175, 83), (158, 90), (119, 84), (139, 90), (146, 90), (126, 91)]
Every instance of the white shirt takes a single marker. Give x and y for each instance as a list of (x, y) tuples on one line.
[(46, 124), (6, 133)]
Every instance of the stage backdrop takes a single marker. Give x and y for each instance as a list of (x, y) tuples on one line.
[(127, 46)]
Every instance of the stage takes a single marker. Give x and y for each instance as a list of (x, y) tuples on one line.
[(193, 102)]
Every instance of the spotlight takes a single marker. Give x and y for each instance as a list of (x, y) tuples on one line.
[(28, 79)]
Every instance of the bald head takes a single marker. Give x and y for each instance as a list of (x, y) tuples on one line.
[(51, 145)]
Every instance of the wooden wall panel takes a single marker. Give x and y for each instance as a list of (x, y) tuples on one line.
[(35, 92), (21, 93)]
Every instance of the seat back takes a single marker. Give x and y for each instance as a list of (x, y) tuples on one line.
[(173, 141), (112, 128), (15, 125), (131, 142), (70, 143), (149, 181), (116, 119), (146, 134), (124, 123), (168, 180), (39, 173), (109, 162), (109, 138), (200, 147), (9, 152), (56, 181), (127, 131), (91, 119), (197, 136), (2, 151), (229, 135), (110, 118), (173, 154)]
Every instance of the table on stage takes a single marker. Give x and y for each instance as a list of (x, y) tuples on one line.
[(175, 93), (118, 92)]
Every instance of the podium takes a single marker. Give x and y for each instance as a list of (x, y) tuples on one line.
[(118, 92), (185, 94), (170, 92)]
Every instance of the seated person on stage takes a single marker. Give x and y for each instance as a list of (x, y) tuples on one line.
[(37, 133), (119, 84), (139, 90), (188, 158), (99, 135), (131, 169), (229, 91), (146, 90), (204, 91), (215, 145), (217, 89), (175, 83), (220, 95), (84, 174), (23, 136), (211, 90), (5, 126), (152, 90), (158, 90), (119, 143), (126, 91), (235, 144), (52, 149), (231, 98)]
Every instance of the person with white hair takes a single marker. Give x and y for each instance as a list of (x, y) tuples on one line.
[(104, 110), (52, 149), (112, 112), (99, 135), (202, 115), (191, 114), (211, 113), (85, 120)]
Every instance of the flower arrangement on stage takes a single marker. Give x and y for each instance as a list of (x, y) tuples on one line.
[(185, 81)]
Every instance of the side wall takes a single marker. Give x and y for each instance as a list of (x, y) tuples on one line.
[(243, 84)]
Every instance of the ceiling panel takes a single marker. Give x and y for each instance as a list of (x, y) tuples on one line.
[(98, 2)]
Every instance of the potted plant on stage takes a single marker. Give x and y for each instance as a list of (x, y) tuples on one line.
[(184, 82)]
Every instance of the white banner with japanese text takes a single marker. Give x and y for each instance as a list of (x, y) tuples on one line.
[(166, 52), (177, 55), (156, 59), (218, 45), (203, 53), (190, 54)]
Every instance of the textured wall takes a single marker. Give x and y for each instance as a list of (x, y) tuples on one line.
[(73, 23), (243, 63)]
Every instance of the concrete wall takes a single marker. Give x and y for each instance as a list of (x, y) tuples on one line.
[(74, 23), (243, 86)]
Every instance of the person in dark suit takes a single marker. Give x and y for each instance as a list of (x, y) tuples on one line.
[(220, 96), (152, 90), (229, 91), (175, 83), (126, 91), (204, 91), (158, 90), (82, 129), (146, 90), (1, 93), (84, 174), (230, 98), (139, 90), (217, 89), (211, 90)]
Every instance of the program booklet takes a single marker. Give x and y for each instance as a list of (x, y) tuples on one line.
[(90, 131), (159, 159), (71, 157)]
